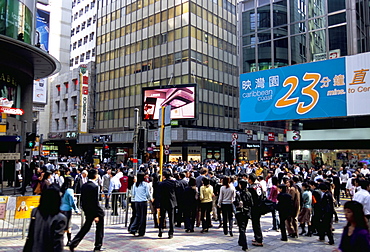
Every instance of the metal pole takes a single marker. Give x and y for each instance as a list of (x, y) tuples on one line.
[(235, 153), (136, 132), (260, 141), (161, 137), (2, 177)]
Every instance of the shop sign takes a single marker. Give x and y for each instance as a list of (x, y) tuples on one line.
[(176, 150), (253, 146), (194, 150), (24, 206), (55, 135), (281, 137), (11, 111), (72, 134), (271, 136), (84, 81)]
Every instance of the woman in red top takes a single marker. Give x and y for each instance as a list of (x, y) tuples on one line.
[(273, 197)]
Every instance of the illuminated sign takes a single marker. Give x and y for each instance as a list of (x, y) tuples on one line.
[(181, 98), (84, 81), (12, 111)]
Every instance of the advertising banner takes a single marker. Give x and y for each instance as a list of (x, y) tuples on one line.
[(42, 29), (311, 90), (84, 82), (24, 206), (40, 91), (3, 201)]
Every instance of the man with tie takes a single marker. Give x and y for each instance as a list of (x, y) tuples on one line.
[(93, 212)]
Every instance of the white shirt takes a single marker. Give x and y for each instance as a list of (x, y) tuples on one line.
[(115, 184), (18, 166), (365, 171), (363, 196)]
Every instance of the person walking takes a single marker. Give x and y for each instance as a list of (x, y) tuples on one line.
[(257, 195), (206, 194), (141, 196), (285, 208), (273, 197), (355, 236), (45, 233), (327, 214), (243, 204), (67, 205), (93, 212), (225, 201), (190, 208), (305, 214), (292, 222), (167, 202)]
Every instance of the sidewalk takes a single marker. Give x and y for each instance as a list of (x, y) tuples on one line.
[(118, 239)]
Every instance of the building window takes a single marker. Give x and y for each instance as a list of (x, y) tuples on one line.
[(71, 62), (65, 104), (74, 45), (80, 43), (85, 39), (57, 105), (66, 85), (86, 8), (88, 55), (77, 29), (65, 122), (75, 84), (58, 90), (57, 124), (93, 52), (76, 60), (72, 32), (92, 4), (75, 16), (83, 26), (81, 12), (74, 121), (94, 19), (74, 100), (82, 58), (91, 36), (89, 22)]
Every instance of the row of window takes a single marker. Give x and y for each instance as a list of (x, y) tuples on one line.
[(165, 16), (137, 5), (164, 38), (65, 103), (167, 60), (65, 123), (84, 56), (81, 11), (83, 25), (86, 39)]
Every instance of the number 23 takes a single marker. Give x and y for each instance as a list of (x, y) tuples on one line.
[(309, 90)]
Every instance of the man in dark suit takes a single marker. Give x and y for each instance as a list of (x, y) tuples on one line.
[(167, 202), (93, 212)]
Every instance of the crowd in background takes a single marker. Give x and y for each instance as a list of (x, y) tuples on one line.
[(194, 193)]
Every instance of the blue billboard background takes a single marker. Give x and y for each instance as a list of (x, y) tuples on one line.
[(42, 29), (311, 90)]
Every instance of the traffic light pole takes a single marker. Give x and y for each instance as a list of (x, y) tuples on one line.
[(235, 153), (136, 136)]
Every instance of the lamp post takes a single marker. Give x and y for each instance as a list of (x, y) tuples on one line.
[(136, 132)]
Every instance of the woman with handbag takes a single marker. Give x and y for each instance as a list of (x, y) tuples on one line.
[(225, 200)]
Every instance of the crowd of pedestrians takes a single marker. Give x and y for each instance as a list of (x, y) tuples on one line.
[(193, 194)]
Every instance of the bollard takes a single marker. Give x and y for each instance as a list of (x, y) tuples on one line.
[(24, 229)]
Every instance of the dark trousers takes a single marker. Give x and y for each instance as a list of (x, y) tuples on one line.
[(275, 220), (106, 199), (227, 217), (242, 224), (115, 197), (325, 229), (315, 221), (99, 232), (179, 214), (205, 215), (282, 227), (139, 224), (133, 208), (256, 225), (171, 219), (190, 214)]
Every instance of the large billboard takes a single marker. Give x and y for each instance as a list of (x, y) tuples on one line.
[(42, 29), (181, 98), (330, 88)]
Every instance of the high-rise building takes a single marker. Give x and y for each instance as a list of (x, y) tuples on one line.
[(288, 32), (150, 43)]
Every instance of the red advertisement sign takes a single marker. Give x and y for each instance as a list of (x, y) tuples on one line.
[(271, 136), (85, 90), (12, 111)]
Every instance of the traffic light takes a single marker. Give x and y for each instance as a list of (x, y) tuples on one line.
[(141, 141), (238, 149), (106, 151), (30, 140)]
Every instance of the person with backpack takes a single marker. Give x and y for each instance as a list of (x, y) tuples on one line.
[(243, 204)]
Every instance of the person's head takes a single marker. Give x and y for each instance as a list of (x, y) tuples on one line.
[(363, 183), (205, 181), (192, 181), (50, 201), (92, 174), (166, 174), (84, 173), (323, 187), (139, 178), (243, 184), (274, 181), (182, 175), (226, 181), (282, 188), (68, 183), (305, 186), (354, 213), (252, 178), (113, 173)]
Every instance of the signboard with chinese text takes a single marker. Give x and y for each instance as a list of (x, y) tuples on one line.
[(311, 90), (3, 202), (84, 81)]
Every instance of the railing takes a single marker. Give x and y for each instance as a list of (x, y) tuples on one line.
[(11, 227)]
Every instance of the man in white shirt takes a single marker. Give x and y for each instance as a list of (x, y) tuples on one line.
[(365, 170), (114, 187), (363, 196)]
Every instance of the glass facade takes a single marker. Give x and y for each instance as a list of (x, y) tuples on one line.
[(165, 42), (288, 32)]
